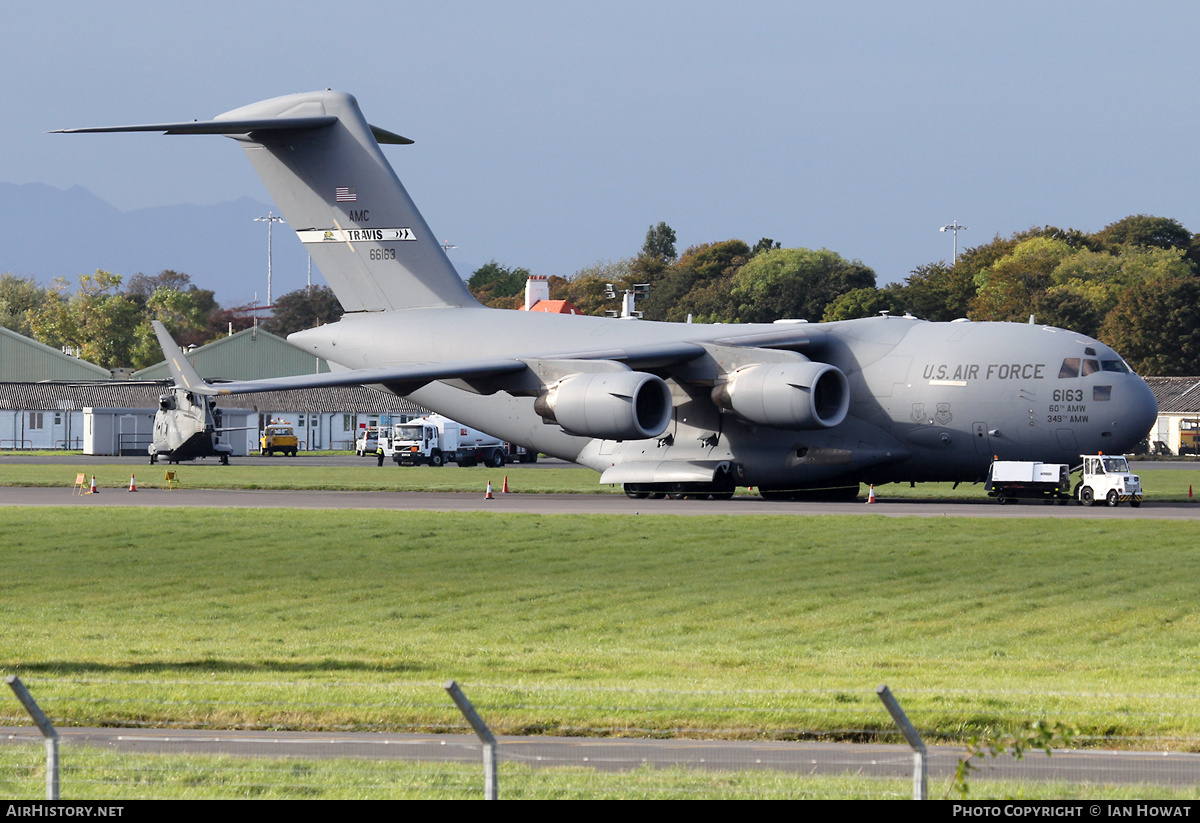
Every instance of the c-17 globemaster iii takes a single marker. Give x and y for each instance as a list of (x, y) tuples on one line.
[(663, 408)]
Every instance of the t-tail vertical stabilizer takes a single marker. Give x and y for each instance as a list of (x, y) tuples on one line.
[(322, 164)]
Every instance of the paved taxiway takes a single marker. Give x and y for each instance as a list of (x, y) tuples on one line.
[(623, 754), (575, 504)]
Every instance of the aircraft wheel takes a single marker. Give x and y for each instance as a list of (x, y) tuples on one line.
[(1086, 496), (725, 495), (635, 491), (657, 495), (1113, 500)]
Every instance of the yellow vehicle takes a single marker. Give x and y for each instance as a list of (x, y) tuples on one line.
[(279, 437), (1189, 437)]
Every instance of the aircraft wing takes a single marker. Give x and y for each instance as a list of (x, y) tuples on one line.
[(408, 377), (793, 337), (411, 374)]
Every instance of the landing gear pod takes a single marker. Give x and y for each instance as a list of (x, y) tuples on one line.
[(609, 405), (787, 395)]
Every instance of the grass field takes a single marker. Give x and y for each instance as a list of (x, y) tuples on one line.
[(763, 626), (95, 774)]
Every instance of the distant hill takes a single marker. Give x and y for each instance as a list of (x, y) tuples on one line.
[(52, 233)]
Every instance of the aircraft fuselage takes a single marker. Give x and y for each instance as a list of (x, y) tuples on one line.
[(928, 401)]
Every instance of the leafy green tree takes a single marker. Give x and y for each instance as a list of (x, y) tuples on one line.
[(936, 291), (1005, 290), (856, 303), (795, 283), (303, 309), (498, 286), (19, 296), (765, 244), (226, 321), (1156, 327), (586, 287), (1086, 285), (1146, 230), (185, 317), (700, 268), (142, 286), (660, 243), (1067, 308), (96, 320)]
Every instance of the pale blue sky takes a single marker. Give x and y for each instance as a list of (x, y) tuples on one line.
[(551, 135)]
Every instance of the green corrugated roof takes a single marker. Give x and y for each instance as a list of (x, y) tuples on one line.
[(252, 354), (26, 360)]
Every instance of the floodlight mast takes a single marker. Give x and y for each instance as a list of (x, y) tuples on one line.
[(270, 220), (954, 227)]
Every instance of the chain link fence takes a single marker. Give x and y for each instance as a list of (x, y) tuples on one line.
[(253, 740)]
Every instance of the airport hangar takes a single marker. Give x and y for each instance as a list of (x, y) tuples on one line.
[(51, 400)]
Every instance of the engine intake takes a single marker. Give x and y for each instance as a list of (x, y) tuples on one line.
[(787, 395), (609, 405)]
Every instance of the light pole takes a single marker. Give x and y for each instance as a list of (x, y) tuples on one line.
[(954, 227), (270, 220)]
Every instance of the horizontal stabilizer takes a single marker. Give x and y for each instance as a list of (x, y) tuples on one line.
[(240, 127), (216, 126)]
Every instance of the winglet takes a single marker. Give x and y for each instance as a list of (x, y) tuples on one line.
[(182, 371)]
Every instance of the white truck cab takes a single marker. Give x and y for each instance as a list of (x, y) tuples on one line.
[(1107, 478)]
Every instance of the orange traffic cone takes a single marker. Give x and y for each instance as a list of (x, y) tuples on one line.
[(93, 489), (132, 483), (504, 488), (871, 494), (488, 495)]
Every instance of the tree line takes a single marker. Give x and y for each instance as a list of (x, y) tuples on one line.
[(1134, 285), (106, 321)]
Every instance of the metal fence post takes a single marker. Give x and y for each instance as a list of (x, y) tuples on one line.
[(47, 729), (491, 783), (920, 753)]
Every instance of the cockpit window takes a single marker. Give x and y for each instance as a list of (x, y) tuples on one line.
[(1069, 368), (1117, 366), (1090, 367)]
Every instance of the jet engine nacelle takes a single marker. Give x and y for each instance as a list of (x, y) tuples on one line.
[(626, 405), (787, 395)]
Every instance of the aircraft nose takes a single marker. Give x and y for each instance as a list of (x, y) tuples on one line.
[(1136, 410)]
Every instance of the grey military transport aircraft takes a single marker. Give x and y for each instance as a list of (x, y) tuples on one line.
[(791, 408)]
